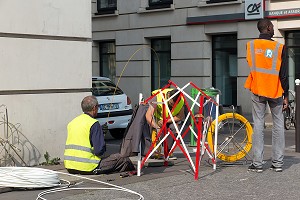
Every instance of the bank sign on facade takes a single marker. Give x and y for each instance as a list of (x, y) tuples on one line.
[(294, 12), (254, 9)]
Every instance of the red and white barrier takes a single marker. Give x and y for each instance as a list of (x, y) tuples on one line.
[(200, 101)]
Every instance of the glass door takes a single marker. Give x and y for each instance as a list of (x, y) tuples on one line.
[(292, 43), (160, 62), (224, 72)]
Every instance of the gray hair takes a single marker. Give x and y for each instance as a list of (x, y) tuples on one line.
[(88, 103)]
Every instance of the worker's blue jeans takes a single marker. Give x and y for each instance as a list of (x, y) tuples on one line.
[(259, 105)]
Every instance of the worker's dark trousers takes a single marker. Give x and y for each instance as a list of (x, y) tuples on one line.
[(110, 164), (114, 163)]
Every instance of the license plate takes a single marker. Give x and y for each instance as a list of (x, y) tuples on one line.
[(109, 106)]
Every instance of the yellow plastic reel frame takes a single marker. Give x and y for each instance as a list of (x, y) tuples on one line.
[(241, 154)]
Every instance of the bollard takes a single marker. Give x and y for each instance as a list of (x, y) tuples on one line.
[(297, 132)]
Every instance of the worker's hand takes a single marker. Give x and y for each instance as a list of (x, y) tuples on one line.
[(160, 123), (285, 103)]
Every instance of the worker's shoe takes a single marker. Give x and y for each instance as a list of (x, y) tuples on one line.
[(172, 157), (157, 155), (252, 168), (128, 174), (276, 169)]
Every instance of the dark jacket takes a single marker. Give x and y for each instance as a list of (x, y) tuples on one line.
[(138, 131)]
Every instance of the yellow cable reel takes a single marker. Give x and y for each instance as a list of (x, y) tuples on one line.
[(234, 137)]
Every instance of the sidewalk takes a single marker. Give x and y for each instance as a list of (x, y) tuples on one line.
[(60, 168), (227, 182)]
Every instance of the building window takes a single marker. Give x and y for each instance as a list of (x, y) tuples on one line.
[(156, 4), (106, 6), (224, 72), (160, 62), (218, 1), (292, 43), (107, 56)]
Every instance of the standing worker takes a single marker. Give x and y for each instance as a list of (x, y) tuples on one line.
[(268, 82), (85, 145)]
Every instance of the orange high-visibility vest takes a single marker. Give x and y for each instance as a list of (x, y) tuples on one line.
[(264, 60)]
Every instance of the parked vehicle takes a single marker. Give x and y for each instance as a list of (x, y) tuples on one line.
[(115, 109)]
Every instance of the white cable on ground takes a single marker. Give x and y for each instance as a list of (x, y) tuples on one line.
[(114, 187), (31, 177)]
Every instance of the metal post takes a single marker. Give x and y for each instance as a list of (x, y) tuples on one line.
[(297, 136)]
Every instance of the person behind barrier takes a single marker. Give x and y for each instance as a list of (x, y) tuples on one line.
[(85, 145), (154, 114), (268, 82)]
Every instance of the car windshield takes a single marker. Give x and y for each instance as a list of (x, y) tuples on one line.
[(104, 88)]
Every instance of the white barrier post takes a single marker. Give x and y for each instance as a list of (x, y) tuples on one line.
[(297, 135), (140, 152), (216, 132)]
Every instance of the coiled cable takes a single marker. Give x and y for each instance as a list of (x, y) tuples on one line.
[(27, 177), (32, 177)]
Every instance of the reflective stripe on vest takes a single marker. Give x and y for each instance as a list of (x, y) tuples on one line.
[(274, 61), (83, 160), (77, 147)]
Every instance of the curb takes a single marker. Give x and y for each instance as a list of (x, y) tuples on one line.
[(268, 125), (5, 189)]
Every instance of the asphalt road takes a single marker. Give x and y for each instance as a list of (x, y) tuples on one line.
[(177, 182)]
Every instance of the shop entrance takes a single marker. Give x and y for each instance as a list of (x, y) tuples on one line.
[(224, 71)]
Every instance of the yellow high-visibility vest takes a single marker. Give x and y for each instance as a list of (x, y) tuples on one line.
[(78, 151)]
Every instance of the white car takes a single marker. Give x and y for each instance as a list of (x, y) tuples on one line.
[(115, 109)]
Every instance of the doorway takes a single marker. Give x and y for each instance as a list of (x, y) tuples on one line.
[(224, 71), (292, 43)]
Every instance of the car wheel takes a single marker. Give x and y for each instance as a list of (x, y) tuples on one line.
[(117, 133)]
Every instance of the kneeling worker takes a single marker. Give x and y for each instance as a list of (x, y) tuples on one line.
[(85, 145), (154, 115)]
